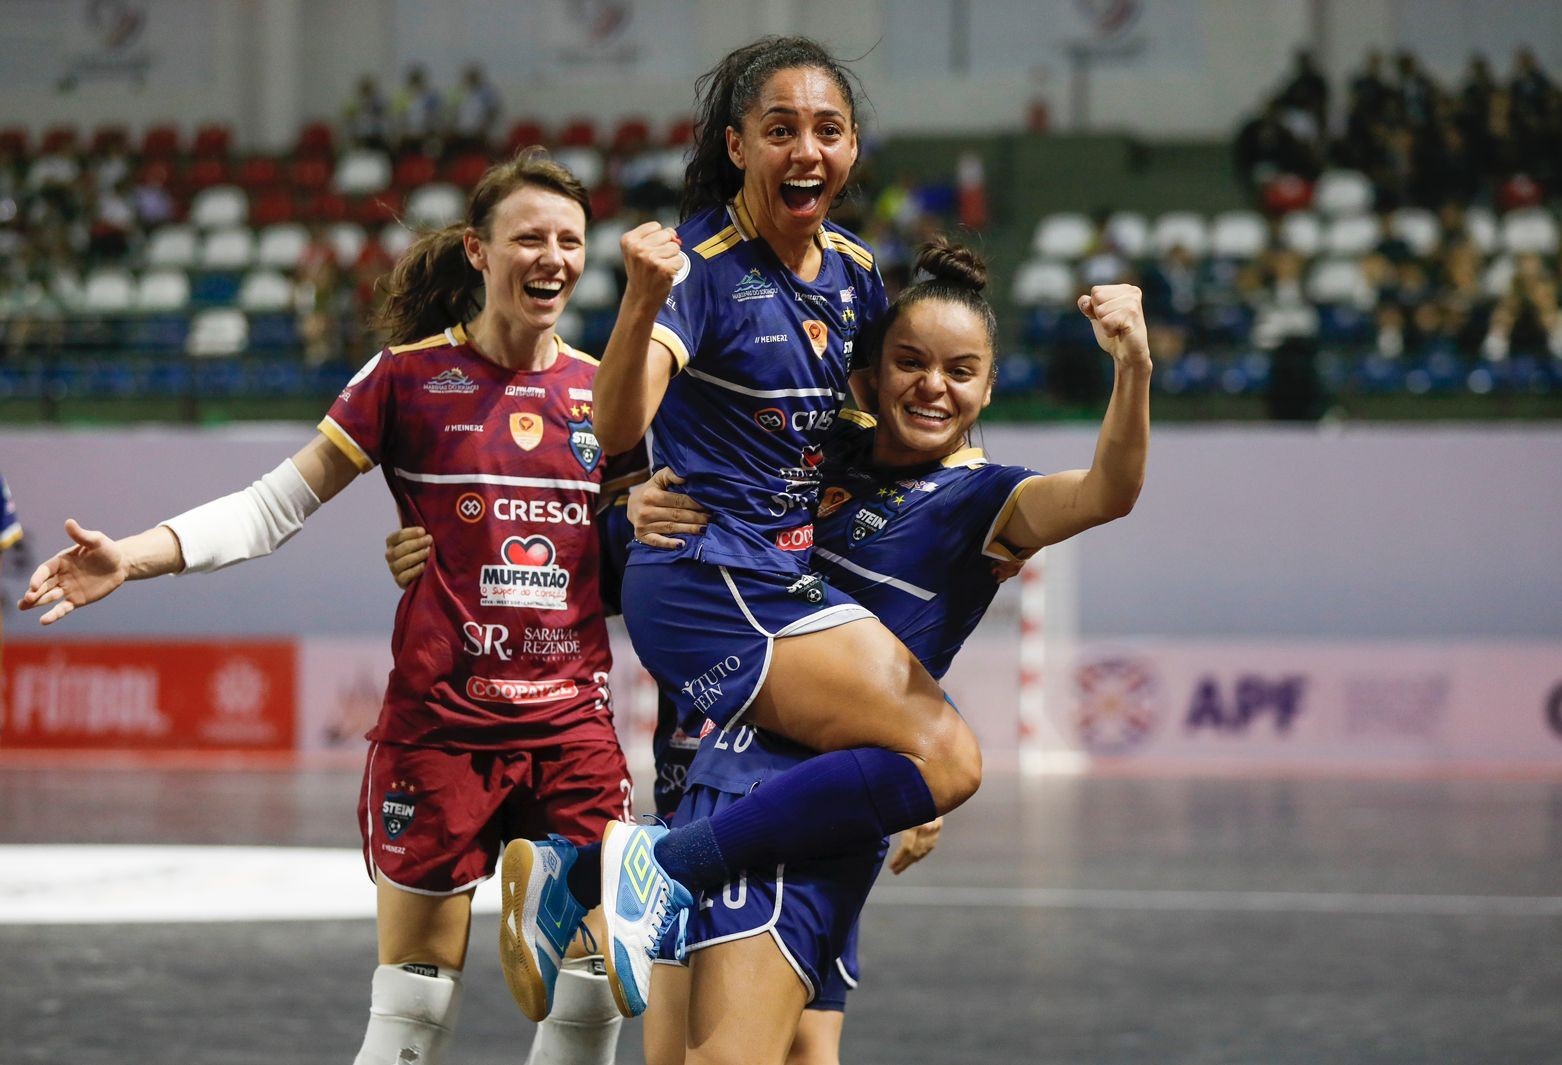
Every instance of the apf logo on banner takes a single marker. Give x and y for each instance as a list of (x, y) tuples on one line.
[(1119, 703)]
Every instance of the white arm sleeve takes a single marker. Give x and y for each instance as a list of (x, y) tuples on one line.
[(246, 524)]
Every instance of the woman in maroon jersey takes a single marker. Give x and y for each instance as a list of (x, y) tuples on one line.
[(496, 723)]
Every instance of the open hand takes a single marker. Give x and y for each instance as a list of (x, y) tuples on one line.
[(79, 575), (658, 514)]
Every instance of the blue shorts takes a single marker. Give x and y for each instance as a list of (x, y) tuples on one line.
[(705, 631), (809, 908)]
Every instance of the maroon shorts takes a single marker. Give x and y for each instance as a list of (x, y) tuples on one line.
[(435, 820)]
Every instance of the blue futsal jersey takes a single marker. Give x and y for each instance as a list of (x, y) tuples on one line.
[(10, 525), (915, 546), (762, 365)]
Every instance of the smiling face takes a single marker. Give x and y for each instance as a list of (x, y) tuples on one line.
[(796, 150), (532, 256), (932, 380)]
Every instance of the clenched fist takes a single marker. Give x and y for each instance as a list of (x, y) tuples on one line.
[(653, 256), (1116, 314)]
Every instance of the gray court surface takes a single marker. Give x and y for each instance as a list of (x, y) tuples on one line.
[(1065, 920)]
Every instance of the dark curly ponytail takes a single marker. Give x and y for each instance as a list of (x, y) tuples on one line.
[(945, 271), (725, 93)]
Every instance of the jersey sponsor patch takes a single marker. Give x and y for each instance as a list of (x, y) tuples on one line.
[(754, 286), (583, 444), (683, 268), (867, 524), (527, 391), (398, 807), (451, 382), (527, 576), (834, 498), (470, 508), (798, 539), (526, 429), (771, 419), (520, 692), (818, 335), (809, 588)]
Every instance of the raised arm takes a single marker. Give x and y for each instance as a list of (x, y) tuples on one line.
[(635, 369), (1053, 508), (246, 524)]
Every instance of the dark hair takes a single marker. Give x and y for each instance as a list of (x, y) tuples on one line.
[(433, 286), (726, 92), (952, 273)]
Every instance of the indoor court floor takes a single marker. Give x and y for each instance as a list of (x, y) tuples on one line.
[(1104, 919)]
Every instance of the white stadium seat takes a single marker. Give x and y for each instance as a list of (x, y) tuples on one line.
[(163, 290), (265, 291), (228, 249), (1129, 232), (1301, 232), (435, 205), (281, 245), (1238, 235), (362, 171), (602, 241), (219, 206), (585, 163), (596, 290), (108, 291), (1418, 228), (1355, 234), (1533, 229), (1340, 192), (1045, 282), (173, 246), (1339, 281), (396, 238), (348, 238), (1498, 277), (1066, 235), (1480, 225), (1180, 229), (223, 331)]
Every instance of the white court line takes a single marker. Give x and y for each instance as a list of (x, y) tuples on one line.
[(1222, 901), (92, 884)]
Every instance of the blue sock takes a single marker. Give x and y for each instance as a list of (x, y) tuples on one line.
[(585, 876), (835, 803)]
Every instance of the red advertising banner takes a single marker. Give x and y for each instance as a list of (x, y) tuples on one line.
[(124, 695)]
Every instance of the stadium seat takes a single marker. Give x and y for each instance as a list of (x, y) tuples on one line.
[(309, 174), (435, 205), (257, 172), (272, 207), (361, 172), (174, 246), (578, 133), (1044, 282), (281, 245), (218, 206), (466, 170), (571, 326), (1065, 235), (524, 134), (212, 140), (1238, 235), (328, 207), (160, 142), (1418, 228), (265, 291), (631, 135), (1129, 233), (205, 172), (377, 209), (410, 171), (111, 137), (596, 290), (396, 238), (1339, 281), (348, 239), (1179, 229), (1355, 234), (109, 291), (585, 163), (1498, 277), (1342, 192), (681, 133), (13, 140), (229, 248), (59, 140), (602, 241), (1533, 229), (218, 332), (162, 290), (1301, 232), (1480, 225), (316, 139)]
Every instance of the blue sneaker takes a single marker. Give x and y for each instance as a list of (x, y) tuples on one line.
[(639, 903), (539, 918)]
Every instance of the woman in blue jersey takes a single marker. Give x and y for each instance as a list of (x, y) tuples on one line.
[(910, 524)]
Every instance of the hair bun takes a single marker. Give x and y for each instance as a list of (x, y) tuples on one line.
[(942, 260)]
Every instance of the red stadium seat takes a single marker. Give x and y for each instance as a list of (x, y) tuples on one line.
[(258, 172), (413, 170), (59, 139), (155, 172), (271, 207), (316, 138), (466, 170), (631, 135), (327, 207), (1286, 193), (109, 138), (681, 133), (1518, 192), (310, 174), (204, 172), (524, 134), (13, 140), (212, 140), (376, 210), (580, 133), (604, 201), (160, 142)]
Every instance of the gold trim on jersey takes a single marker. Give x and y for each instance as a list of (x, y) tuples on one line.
[(436, 341), (856, 252), (345, 444), (725, 240), (11, 538), (966, 456), (674, 344), (742, 217), (859, 417), (575, 353), (992, 547)]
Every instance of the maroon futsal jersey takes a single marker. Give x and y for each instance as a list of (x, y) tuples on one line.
[(501, 642)]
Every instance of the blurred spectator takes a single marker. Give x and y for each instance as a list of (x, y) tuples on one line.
[(318, 295), (1281, 307), (150, 198), (113, 220), (474, 109), (1267, 148), (366, 119), (1525, 316), (1304, 102), (418, 115)]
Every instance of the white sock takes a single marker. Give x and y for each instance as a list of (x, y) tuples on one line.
[(582, 1028), (412, 1010)]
